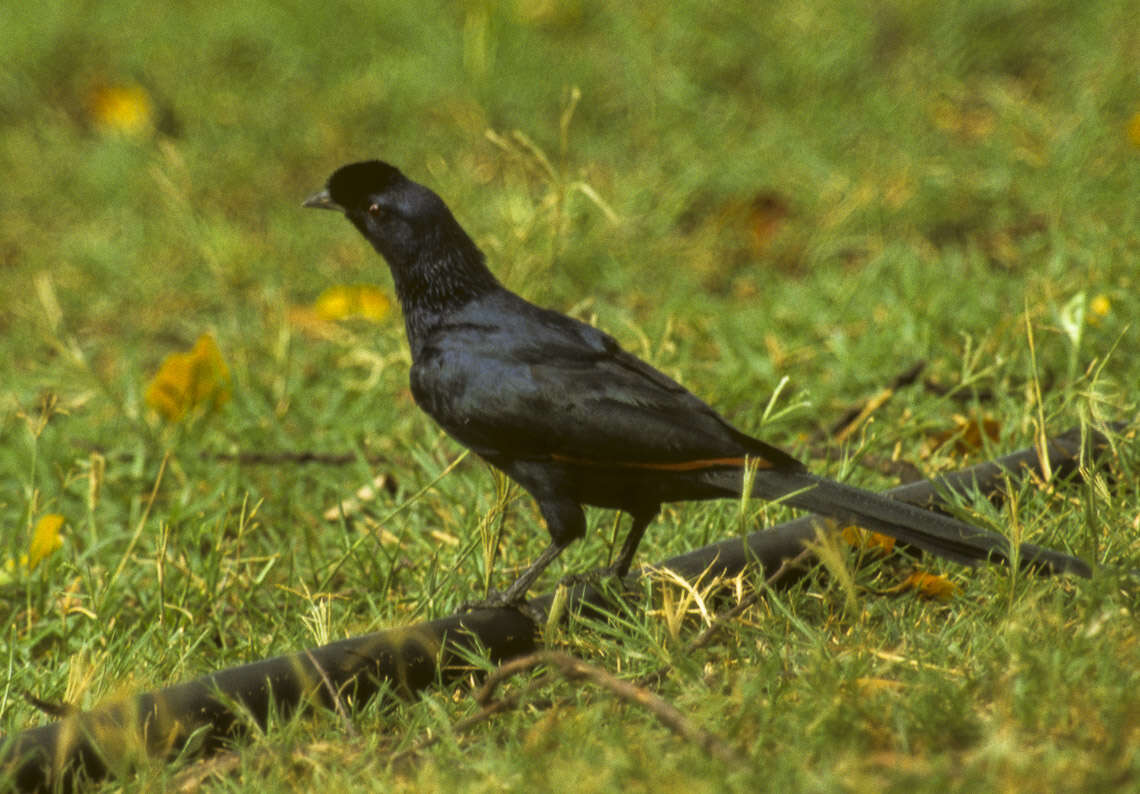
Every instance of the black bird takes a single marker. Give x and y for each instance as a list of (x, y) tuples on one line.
[(572, 417)]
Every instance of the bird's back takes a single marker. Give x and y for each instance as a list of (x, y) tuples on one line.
[(506, 377)]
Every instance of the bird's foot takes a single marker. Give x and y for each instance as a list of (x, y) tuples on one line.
[(596, 579), (497, 599)]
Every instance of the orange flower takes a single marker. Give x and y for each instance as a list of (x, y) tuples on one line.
[(864, 539), (930, 585)]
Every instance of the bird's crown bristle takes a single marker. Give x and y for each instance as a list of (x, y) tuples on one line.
[(353, 183)]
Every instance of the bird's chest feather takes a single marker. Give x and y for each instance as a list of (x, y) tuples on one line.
[(477, 395)]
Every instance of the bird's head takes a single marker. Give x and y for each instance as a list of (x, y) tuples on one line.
[(434, 264), (398, 216)]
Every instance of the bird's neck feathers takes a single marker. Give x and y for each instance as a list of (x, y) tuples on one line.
[(445, 273)]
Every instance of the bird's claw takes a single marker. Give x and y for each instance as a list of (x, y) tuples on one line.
[(496, 599), (595, 578)]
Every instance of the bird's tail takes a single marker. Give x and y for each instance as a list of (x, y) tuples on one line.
[(930, 531)]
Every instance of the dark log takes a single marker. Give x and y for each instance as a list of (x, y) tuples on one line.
[(214, 709)]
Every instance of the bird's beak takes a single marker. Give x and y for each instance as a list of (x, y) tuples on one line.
[(322, 201)]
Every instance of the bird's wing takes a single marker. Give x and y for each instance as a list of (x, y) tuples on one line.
[(511, 379)]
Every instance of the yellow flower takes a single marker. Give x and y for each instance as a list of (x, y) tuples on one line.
[(46, 539), (352, 300), (187, 381), (123, 108), (1134, 129), (1099, 307)]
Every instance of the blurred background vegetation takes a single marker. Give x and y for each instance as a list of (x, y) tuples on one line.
[(740, 192)]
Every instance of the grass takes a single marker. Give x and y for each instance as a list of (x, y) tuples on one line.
[(809, 191)]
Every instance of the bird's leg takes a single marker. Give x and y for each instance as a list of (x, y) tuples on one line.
[(620, 566), (641, 520), (518, 590), (515, 595)]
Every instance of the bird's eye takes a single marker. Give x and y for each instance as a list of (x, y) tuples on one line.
[(375, 210)]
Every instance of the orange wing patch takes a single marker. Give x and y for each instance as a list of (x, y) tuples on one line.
[(685, 465)]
